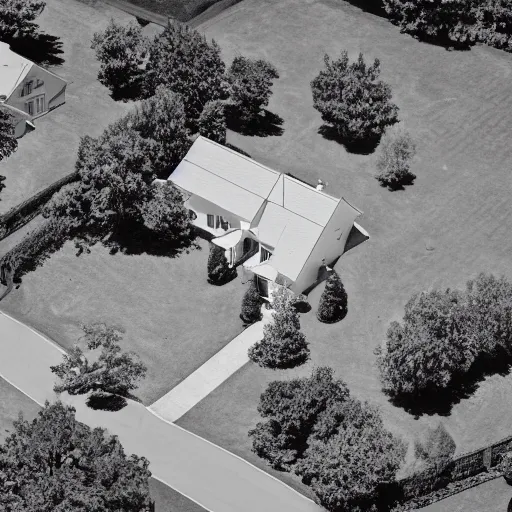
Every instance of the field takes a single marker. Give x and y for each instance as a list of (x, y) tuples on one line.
[(457, 106), (49, 152), (168, 313)]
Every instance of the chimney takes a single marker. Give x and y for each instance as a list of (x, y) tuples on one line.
[(320, 186)]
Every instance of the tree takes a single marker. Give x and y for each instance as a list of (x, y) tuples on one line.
[(161, 118), (251, 305), (250, 83), (395, 153), (17, 18), (333, 302), (8, 142), (438, 449), (283, 345), (121, 51), (110, 371), (431, 346), (350, 457), (212, 122), (219, 271), (353, 100), (292, 408), (185, 62), (56, 464)]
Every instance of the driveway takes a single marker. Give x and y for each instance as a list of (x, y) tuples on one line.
[(207, 474)]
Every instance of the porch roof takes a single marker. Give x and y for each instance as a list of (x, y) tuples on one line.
[(229, 239), (265, 270)]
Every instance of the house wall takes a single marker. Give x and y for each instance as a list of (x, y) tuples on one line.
[(53, 89), (201, 207), (330, 245)]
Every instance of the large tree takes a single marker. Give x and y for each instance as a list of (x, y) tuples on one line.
[(185, 62), (350, 457), (121, 51), (212, 122), (17, 18), (104, 369), (56, 464), (283, 345), (292, 409), (250, 83), (353, 100)]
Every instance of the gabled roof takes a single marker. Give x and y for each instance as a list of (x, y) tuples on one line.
[(13, 69)]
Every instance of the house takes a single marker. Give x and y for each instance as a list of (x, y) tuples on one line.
[(27, 90), (282, 230)]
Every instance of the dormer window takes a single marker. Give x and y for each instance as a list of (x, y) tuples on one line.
[(27, 89)]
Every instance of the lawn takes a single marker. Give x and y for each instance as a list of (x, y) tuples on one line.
[(49, 152), (170, 316), (457, 106)]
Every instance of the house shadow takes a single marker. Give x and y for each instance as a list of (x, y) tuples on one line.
[(264, 124), (441, 401), (39, 48), (358, 147)]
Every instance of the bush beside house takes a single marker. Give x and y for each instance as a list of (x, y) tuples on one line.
[(219, 271), (251, 305), (333, 301)]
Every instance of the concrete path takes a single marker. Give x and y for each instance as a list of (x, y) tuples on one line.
[(203, 472), (210, 375)]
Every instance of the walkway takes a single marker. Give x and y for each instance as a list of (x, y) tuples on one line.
[(207, 474), (210, 375)]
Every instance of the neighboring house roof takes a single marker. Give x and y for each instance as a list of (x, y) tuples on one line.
[(13, 69)]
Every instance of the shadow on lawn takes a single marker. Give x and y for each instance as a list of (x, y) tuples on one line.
[(40, 48), (111, 403), (264, 124), (360, 147), (441, 401)]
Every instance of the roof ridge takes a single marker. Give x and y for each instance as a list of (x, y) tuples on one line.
[(295, 213), (310, 187)]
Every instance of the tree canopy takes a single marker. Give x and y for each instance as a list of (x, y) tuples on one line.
[(181, 59), (56, 464), (333, 301), (121, 51), (17, 18), (352, 99), (212, 122), (283, 345), (8, 142), (105, 369)]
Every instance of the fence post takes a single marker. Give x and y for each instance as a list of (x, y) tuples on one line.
[(487, 457)]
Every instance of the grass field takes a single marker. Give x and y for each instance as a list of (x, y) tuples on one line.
[(457, 106), (49, 152), (170, 316)]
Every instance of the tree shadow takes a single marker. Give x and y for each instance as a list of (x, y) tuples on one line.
[(136, 240), (40, 48), (237, 149), (372, 6), (106, 402), (395, 186), (462, 386), (358, 147), (264, 124)]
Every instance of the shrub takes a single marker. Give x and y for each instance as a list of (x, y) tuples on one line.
[(212, 122), (8, 142), (251, 305), (353, 100), (57, 463), (333, 302), (351, 457), (121, 51), (395, 153), (181, 59), (250, 83), (292, 408), (219, 271), (112, 371), (438, 449), (283, 345)]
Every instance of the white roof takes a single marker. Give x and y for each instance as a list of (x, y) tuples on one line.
[(211, 187), (229, 239), (13, 69)]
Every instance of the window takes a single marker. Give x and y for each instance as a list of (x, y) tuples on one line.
[(39, 104), (27, 89), (209, 221), (264, 255), (39, 83), (29, 107)]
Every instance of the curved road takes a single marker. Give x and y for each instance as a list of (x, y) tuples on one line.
[(212, 477)]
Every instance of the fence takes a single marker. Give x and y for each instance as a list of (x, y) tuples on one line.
[(20, 215), (460, 468)]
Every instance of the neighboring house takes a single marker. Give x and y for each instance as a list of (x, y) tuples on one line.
[(27, 90), (283, 230)]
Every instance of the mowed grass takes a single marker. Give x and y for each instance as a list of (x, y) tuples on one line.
[(49, 152), (168, 313), (13, 401), (458, 108)]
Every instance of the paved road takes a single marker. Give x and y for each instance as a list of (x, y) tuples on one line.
[(212, 477), (210, 375)]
